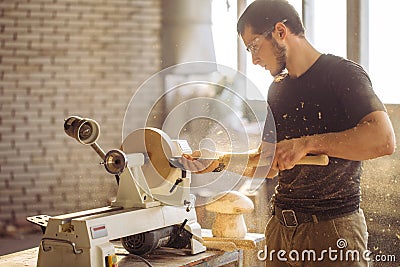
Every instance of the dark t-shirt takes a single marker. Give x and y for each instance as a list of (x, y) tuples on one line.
[(332, 96)]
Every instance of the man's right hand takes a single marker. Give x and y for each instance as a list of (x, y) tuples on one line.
[(203, 161)]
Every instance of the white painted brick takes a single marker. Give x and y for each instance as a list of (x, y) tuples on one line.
[(16, 168), (16, 13), (23, 199), (55, 6), (11, 209), (13, 60), (8, 21), (63, 46), (39, 60), (8, 5), (48, 22), (30, 6), (38, 207), (64, 15), (10, 191), (26, 37), (4, 200), (37, 14)]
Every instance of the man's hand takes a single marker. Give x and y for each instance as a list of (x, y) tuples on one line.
[(288, 153), (203, 161)]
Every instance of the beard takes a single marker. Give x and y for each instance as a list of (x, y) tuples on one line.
[(280, 55)]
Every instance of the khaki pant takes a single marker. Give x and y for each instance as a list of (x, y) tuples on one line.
[(336, 242)]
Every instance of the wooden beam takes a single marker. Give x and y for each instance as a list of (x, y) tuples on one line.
[(241, 52), (357, 32), (308, 11)]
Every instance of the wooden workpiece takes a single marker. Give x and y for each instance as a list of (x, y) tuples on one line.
[(229, 207), (249, 242)]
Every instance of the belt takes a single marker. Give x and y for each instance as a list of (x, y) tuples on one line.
[(291, 218)]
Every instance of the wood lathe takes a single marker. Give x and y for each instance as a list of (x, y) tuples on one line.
[(153, 206)]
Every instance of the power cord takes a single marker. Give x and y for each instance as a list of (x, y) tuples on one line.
[(136, 257)]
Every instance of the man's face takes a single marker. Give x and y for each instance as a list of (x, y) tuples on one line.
[(267, 53)]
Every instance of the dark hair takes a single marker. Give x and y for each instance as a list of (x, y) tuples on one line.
[(262, 15)]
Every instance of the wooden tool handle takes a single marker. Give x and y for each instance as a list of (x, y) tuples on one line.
[(321, 160)]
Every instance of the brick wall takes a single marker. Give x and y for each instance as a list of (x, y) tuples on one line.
[(60, 58)]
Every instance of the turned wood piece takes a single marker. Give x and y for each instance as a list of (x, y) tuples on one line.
[(229, 207)]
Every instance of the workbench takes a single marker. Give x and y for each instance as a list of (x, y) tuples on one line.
[(164, 257), (161, 257)]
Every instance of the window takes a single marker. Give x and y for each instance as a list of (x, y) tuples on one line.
[(224, 18), (383, 56)]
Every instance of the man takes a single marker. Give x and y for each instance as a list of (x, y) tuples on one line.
[(322, 104)]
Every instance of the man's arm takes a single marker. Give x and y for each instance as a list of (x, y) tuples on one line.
[(372, 137)]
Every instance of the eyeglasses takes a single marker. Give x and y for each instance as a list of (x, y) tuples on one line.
[(253, 48)]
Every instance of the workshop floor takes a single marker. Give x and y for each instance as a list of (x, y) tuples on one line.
[(11, 244)]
